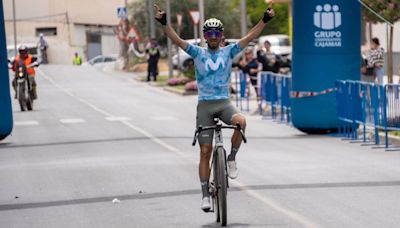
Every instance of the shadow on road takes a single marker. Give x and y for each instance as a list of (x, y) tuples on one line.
[(142, 196), (9, 145), (242, 225)]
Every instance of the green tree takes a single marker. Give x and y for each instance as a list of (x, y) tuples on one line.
[(390, 11), (255, 10), (225, 11), (139, 15)]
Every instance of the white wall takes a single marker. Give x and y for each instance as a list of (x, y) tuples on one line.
[(109, 44), (379, 30), (80, 11)]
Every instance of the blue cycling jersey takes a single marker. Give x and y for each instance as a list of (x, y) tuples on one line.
[(213, 70)]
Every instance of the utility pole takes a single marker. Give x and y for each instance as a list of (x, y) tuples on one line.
[(151, 19), (169, 40), (69, 29), (15, 29), (201, 22), (243, 18)]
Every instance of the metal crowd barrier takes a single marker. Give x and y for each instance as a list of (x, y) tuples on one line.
[(370, 105), (242, 94), (274, 90)]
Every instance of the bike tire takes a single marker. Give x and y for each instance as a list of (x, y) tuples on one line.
[(21, 98), (29, 104), (29, 101), (222, 184), (215, 195)]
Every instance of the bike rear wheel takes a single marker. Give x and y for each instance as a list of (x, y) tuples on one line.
[(222, 186)]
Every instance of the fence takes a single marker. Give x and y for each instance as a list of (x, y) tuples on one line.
[(274, 90), (370, 105), (242, 91)]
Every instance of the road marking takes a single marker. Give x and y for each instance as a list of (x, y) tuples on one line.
[(117, 118), (293, 215), (274, 205), (26, 123), (109, 115), (163, 118), (72, 121)]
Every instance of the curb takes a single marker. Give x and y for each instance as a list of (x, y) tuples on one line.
[(169, 88), (393, 140), (179, 92), (370, 135)]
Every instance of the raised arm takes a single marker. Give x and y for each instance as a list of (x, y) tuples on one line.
[(258, 28), (161, 17)]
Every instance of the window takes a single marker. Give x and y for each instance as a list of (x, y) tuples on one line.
[(109, 59), (284, 42), (48, 31)]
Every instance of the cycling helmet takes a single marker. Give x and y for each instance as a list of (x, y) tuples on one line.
[(213, 24)]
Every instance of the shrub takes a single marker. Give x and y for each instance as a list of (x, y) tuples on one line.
[(191, 86), (177, 81)]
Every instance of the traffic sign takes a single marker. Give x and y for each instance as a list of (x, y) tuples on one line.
[(195, 15), (122, 12)]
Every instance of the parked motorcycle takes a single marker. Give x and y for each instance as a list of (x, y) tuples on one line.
[(24, 90)]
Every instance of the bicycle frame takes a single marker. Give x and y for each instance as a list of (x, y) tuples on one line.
[(219, 183)]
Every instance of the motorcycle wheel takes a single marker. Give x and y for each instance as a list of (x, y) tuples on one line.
[(29, 104), (29, 101), (21, 98)]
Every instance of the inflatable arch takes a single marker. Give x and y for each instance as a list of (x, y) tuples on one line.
[(326, 48)]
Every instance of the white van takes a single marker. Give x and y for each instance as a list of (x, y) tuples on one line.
[(33, 50)]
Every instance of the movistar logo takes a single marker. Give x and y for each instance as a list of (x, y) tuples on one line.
[(211, 65)]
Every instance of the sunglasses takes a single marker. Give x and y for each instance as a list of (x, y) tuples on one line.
[(213, 34)]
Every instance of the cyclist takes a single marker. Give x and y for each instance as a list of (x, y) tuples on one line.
[(213, 70)]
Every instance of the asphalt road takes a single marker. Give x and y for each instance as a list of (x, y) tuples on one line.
[(97, 136)]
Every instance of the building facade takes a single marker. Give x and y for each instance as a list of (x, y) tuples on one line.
[(86, 27)]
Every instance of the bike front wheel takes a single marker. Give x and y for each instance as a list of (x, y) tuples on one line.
[(222, 186)]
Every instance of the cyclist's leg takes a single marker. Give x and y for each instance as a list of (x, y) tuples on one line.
[(237, 137), (230, 115), (205, 118)]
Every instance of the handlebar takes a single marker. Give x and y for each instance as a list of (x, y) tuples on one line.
[(201, 128)]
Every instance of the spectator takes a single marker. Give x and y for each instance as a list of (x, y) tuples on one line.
[(367, 73), (77, 60), (269, 60), (376, 60), (43, 45), (153, 55), (250, 66)]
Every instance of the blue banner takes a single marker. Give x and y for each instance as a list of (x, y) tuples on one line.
[(6, 120), (326, 48)]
